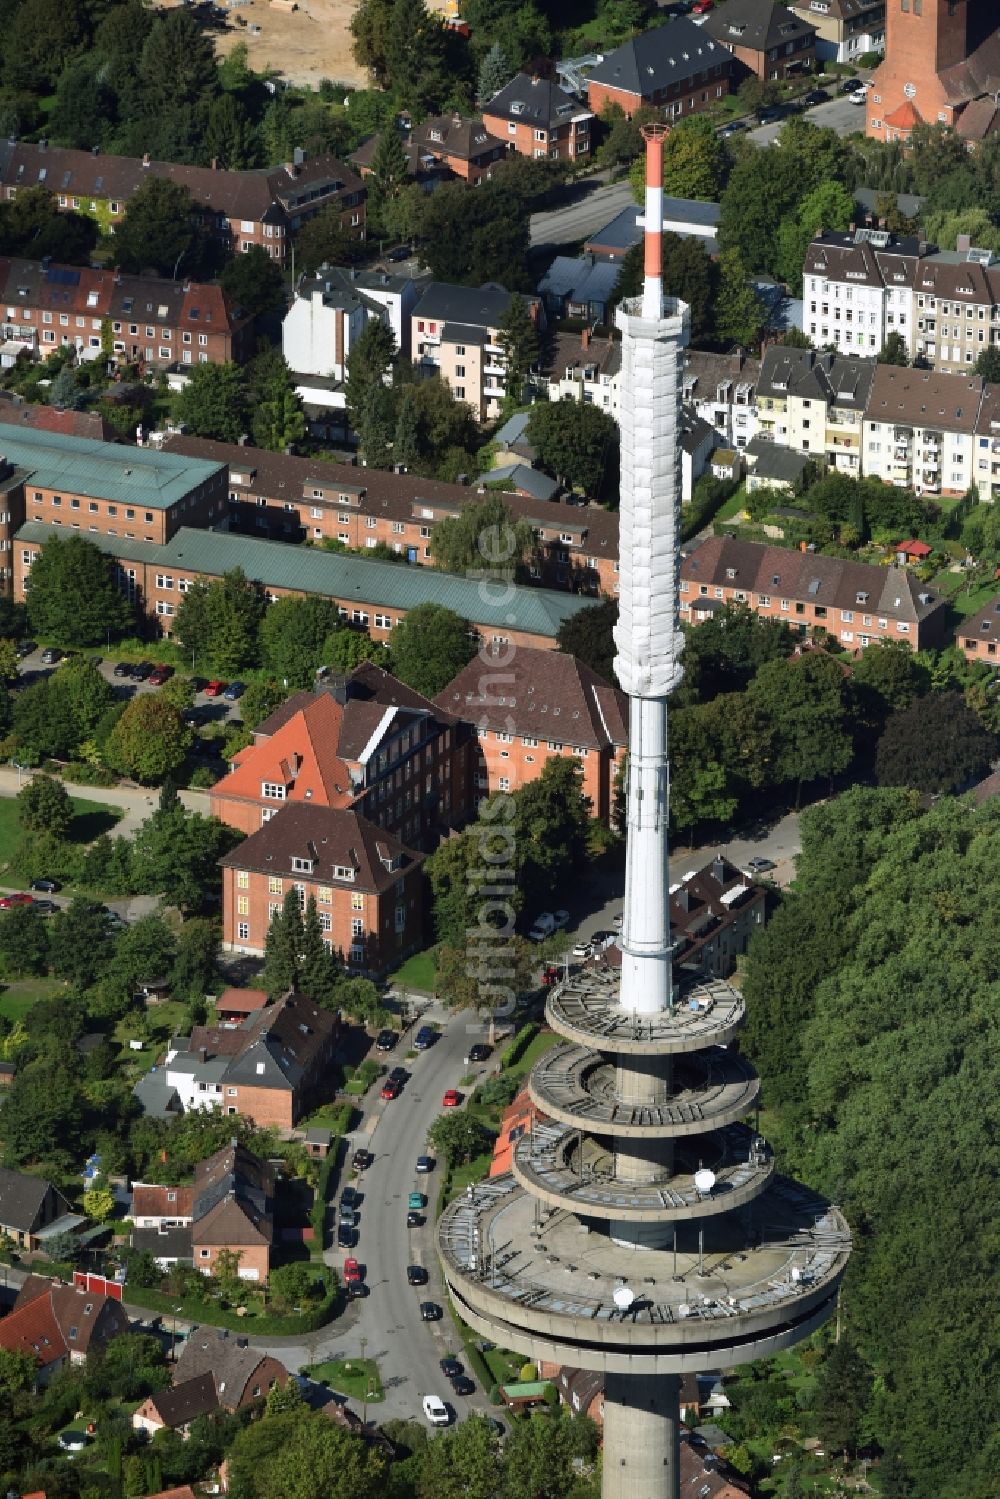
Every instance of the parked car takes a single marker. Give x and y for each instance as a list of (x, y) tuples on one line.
[(414, 1220), (215, 688), (356, 1290), (815, 96), (450, 1367), (50, 656), (430, 1311), (25, 648), (425, 1038), (849, 86), (425, 1163), (234, 690), (361, 1160), (735, 127), (860, 96), (46, 907), (760, 865), (451, 1099), (398, 1075), (350, 1197), (416, 1275), (352, 1270), (561, 919), (401, 252), (49, 886), (348, 1218), (770, 114), (143, 671), (385, 1040), (601, 941), (583, 949), (478, 1053), (391, 1089), (122, 669), (416, 1202), (161, 675), (435, 1410), (463, 1385), (22, 898), (543, 927), (346, 1237)]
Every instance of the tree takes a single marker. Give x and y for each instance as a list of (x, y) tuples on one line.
[(64, 392), (415, 57), (576, 442), (518, 340), (894, 351), (24, 946), (254, 282), (739, 312), (936, 744), (73, 598), (369, 399), (829, 206), (725, 653), (692, 162), (278, 418), (318, 974), (430, 646), (303, 1455), (214, 402), (156, 231), (293, 1285), (230, 138), (17, 1371), (494, 74), (43, 806), (388, 170), (177, 66), (323, 240), (31, 224), (350, 647), (176, 854), (292, 634), (551, 824), (484, 535), (688, 272), (283, 948), (588, 636), (805, 702), (843, 1397), (988, 364), (471, 238), (370, 31), (99, 1202), (261, 698), (41, 1116), (892, 674), (219, 622), (149, 740)]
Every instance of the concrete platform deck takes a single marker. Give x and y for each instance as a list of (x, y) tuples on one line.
[(586, 1010)]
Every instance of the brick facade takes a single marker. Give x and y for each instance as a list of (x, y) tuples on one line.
[(537, 118), (678, 68), (941, 67), (978, 638)]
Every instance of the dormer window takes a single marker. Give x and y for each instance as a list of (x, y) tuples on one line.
[(730, 573), (301, 866), (861, 598), (342, 872)]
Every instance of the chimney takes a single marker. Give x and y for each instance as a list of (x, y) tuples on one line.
[(215, 163), (95, 150), (145, 158), (585, 339), (42, 145), (719, 869), (682, 898), (963, 242), (652, 287), (203, 1054)]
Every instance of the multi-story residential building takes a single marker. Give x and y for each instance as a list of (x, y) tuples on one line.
[(844, 28), (145, 320), (538, 118), (942, 67), (978, 637), (956, 308), (815, 403), (367, 742), (330, 311), (579, 367), (579, 286), (262, 207), (468, 149), (766, 39), (54, 1325), (273, 1068), (371, 594), (920, 429), (230, 1206), (857, 288), (294, 499), (530, 706), (853, 601), (721, 389), (987, 476), (366, 883), (455, 333), (678, 68)]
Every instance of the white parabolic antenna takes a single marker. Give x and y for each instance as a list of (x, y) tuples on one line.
[(704, 1180), (623, 1298)]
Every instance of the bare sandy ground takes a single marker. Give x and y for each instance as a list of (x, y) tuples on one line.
[(303, 45)]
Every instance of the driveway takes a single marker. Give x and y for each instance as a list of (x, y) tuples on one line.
[(407, 1349)]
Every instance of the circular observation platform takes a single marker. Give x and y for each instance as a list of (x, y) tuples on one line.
[(710, 1088), (586, 1009), (570, 1170), (544, 1283)]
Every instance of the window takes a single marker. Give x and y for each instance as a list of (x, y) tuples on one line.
[(242, 935), (504, 783), (357, 926), (164, 580), (357, 901), (243, 905), (273, 885), (301, 866), (243, 879)]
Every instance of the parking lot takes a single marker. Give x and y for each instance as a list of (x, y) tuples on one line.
[(207, 709)]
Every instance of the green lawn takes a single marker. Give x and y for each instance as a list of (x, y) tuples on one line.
[(542, 1043), (731, 509), (348, 1377), (18, 998), (90, 820), (418, 972)]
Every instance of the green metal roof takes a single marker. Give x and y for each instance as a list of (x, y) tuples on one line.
[(104, 470), (275, 564)]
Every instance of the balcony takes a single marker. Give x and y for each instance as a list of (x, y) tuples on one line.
[(850, 440)]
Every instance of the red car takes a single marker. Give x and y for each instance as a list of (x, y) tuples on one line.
[(160, 675), (22, 899), (451, 1099), (391, 1088), (352, 1270), (215, 689)]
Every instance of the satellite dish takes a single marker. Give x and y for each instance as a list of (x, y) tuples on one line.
[(683, 1310), (623, 1298), (704, 1180)]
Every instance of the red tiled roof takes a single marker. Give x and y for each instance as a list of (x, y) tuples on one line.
[(241, 1001), (300, 756), (547, 694), (905, 117), (33, 1329), (149, 1201), (518, 1116)]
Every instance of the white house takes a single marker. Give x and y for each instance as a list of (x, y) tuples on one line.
[(857, 288), (331, 309)]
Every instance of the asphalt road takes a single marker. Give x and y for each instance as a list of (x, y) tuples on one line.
[(407, 1350), (596, 204)]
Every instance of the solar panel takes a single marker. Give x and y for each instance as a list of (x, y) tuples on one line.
[(58, 275)]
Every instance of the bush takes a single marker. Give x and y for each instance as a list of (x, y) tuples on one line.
[(515, 1051), (497, 1092), (203, 778), (368, 1071), (82, 774)]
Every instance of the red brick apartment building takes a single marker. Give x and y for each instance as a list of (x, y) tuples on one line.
[(537, 118), (367, 742), (229, 1206), (941, 67), (529, 706), (678, 67), (854, 602), (262, 207), (297, 499), (978, 637), (767, 40), (465, 147), (151, 321), (366, 883)]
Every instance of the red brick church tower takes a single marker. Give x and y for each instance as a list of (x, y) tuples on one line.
[(942, 66)]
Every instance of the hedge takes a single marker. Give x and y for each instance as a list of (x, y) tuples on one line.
[(317, 1216), (213, 1315), (515, 1051), (706, 502)]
